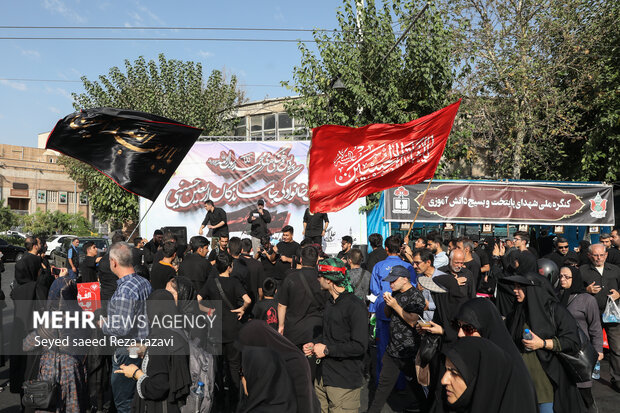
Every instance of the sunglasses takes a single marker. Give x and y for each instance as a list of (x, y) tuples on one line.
[(468, 329)]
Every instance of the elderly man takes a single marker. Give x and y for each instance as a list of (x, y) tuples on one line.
[(602, 280), (457, 268)]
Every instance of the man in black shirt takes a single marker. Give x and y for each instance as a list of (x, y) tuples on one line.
[(466, 245), (28, 268), (463, 276), (343, 343), (137, 252), (235, 302), (315, 226), (151, 247), (404, 307), (377, 254), (285, 250), (240, 271), (222, 246), (602, 280), (88, 267), (163, 270), (266, 256), (216, 221), (258, 220), (107, 278), (562, 252), (195, 266), (613, 254), (255, 269), (300, 305), (347, 243)]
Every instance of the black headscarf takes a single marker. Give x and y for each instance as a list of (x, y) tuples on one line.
[(527, 262), (548, 319), (159, 304), (486, 369), (258, 334), (448, 305), (575, 288), (270, 388), (484, 316)]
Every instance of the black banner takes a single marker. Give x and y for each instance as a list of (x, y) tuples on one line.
[(502, 203), (137, 150)]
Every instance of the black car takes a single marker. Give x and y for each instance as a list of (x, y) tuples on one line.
[(58, 257), (11, 252)]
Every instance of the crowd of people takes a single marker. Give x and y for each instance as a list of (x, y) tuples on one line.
[(466, 325)]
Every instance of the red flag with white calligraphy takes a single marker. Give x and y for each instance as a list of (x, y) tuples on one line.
[(349, 163)]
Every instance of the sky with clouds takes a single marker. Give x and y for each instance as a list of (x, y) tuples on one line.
[(30, 107)]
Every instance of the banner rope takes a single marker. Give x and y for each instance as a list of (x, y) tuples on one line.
[(419, 207)]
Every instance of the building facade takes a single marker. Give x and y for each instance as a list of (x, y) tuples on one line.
[(31, 179)]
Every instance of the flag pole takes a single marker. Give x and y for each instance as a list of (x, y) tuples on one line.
[(419, 207), (142, 219)]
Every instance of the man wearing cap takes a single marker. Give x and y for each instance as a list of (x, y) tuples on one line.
[(403, 307), (342, 345), (258, 219)]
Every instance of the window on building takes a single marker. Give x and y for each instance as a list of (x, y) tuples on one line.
[(256, 123), (71, 197), (240, 127), (52, 196)]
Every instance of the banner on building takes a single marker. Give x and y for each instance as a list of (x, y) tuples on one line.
[(503, 203), (235, 175)]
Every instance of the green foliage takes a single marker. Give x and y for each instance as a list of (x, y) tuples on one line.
[(14, 240), (383, 84), (46, 223), (8, 219), (171, 88)]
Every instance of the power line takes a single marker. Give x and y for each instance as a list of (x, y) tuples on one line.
[(185, 39), (247, 29)]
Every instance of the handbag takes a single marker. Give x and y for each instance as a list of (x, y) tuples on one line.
[(41, 394), (580, 365), (612, 312), (429, 345)]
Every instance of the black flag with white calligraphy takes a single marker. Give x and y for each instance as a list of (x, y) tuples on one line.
[(137, 150)]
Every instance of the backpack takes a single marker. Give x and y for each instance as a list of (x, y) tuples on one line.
[(201, 368)]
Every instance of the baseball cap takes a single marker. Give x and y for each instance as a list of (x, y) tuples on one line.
[(396, 272)]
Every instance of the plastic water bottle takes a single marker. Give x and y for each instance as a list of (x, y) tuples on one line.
[(199, 394), (596, 374), (527, 335)]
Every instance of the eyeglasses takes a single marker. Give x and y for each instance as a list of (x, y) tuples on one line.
[(562, 247), (517, 239), (417, 262), (566, 277), (468, 329)]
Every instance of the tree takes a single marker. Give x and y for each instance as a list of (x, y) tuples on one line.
[(8, 219), (383, 83), (529, 77), (46, 223), (171, 88)]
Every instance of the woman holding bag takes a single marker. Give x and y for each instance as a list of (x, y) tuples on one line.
[(584, 309), (553, 330)]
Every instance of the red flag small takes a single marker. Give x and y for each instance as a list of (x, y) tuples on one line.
[(349, 163)]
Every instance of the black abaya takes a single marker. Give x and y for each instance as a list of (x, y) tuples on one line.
[(257, 333), (548, 319)]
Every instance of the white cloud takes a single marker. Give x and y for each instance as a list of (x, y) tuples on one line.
[(205, 55), (54, 109), (143, 16), (1, 116), (58, 91), (34, 54), (57, 6), (14, 85)]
